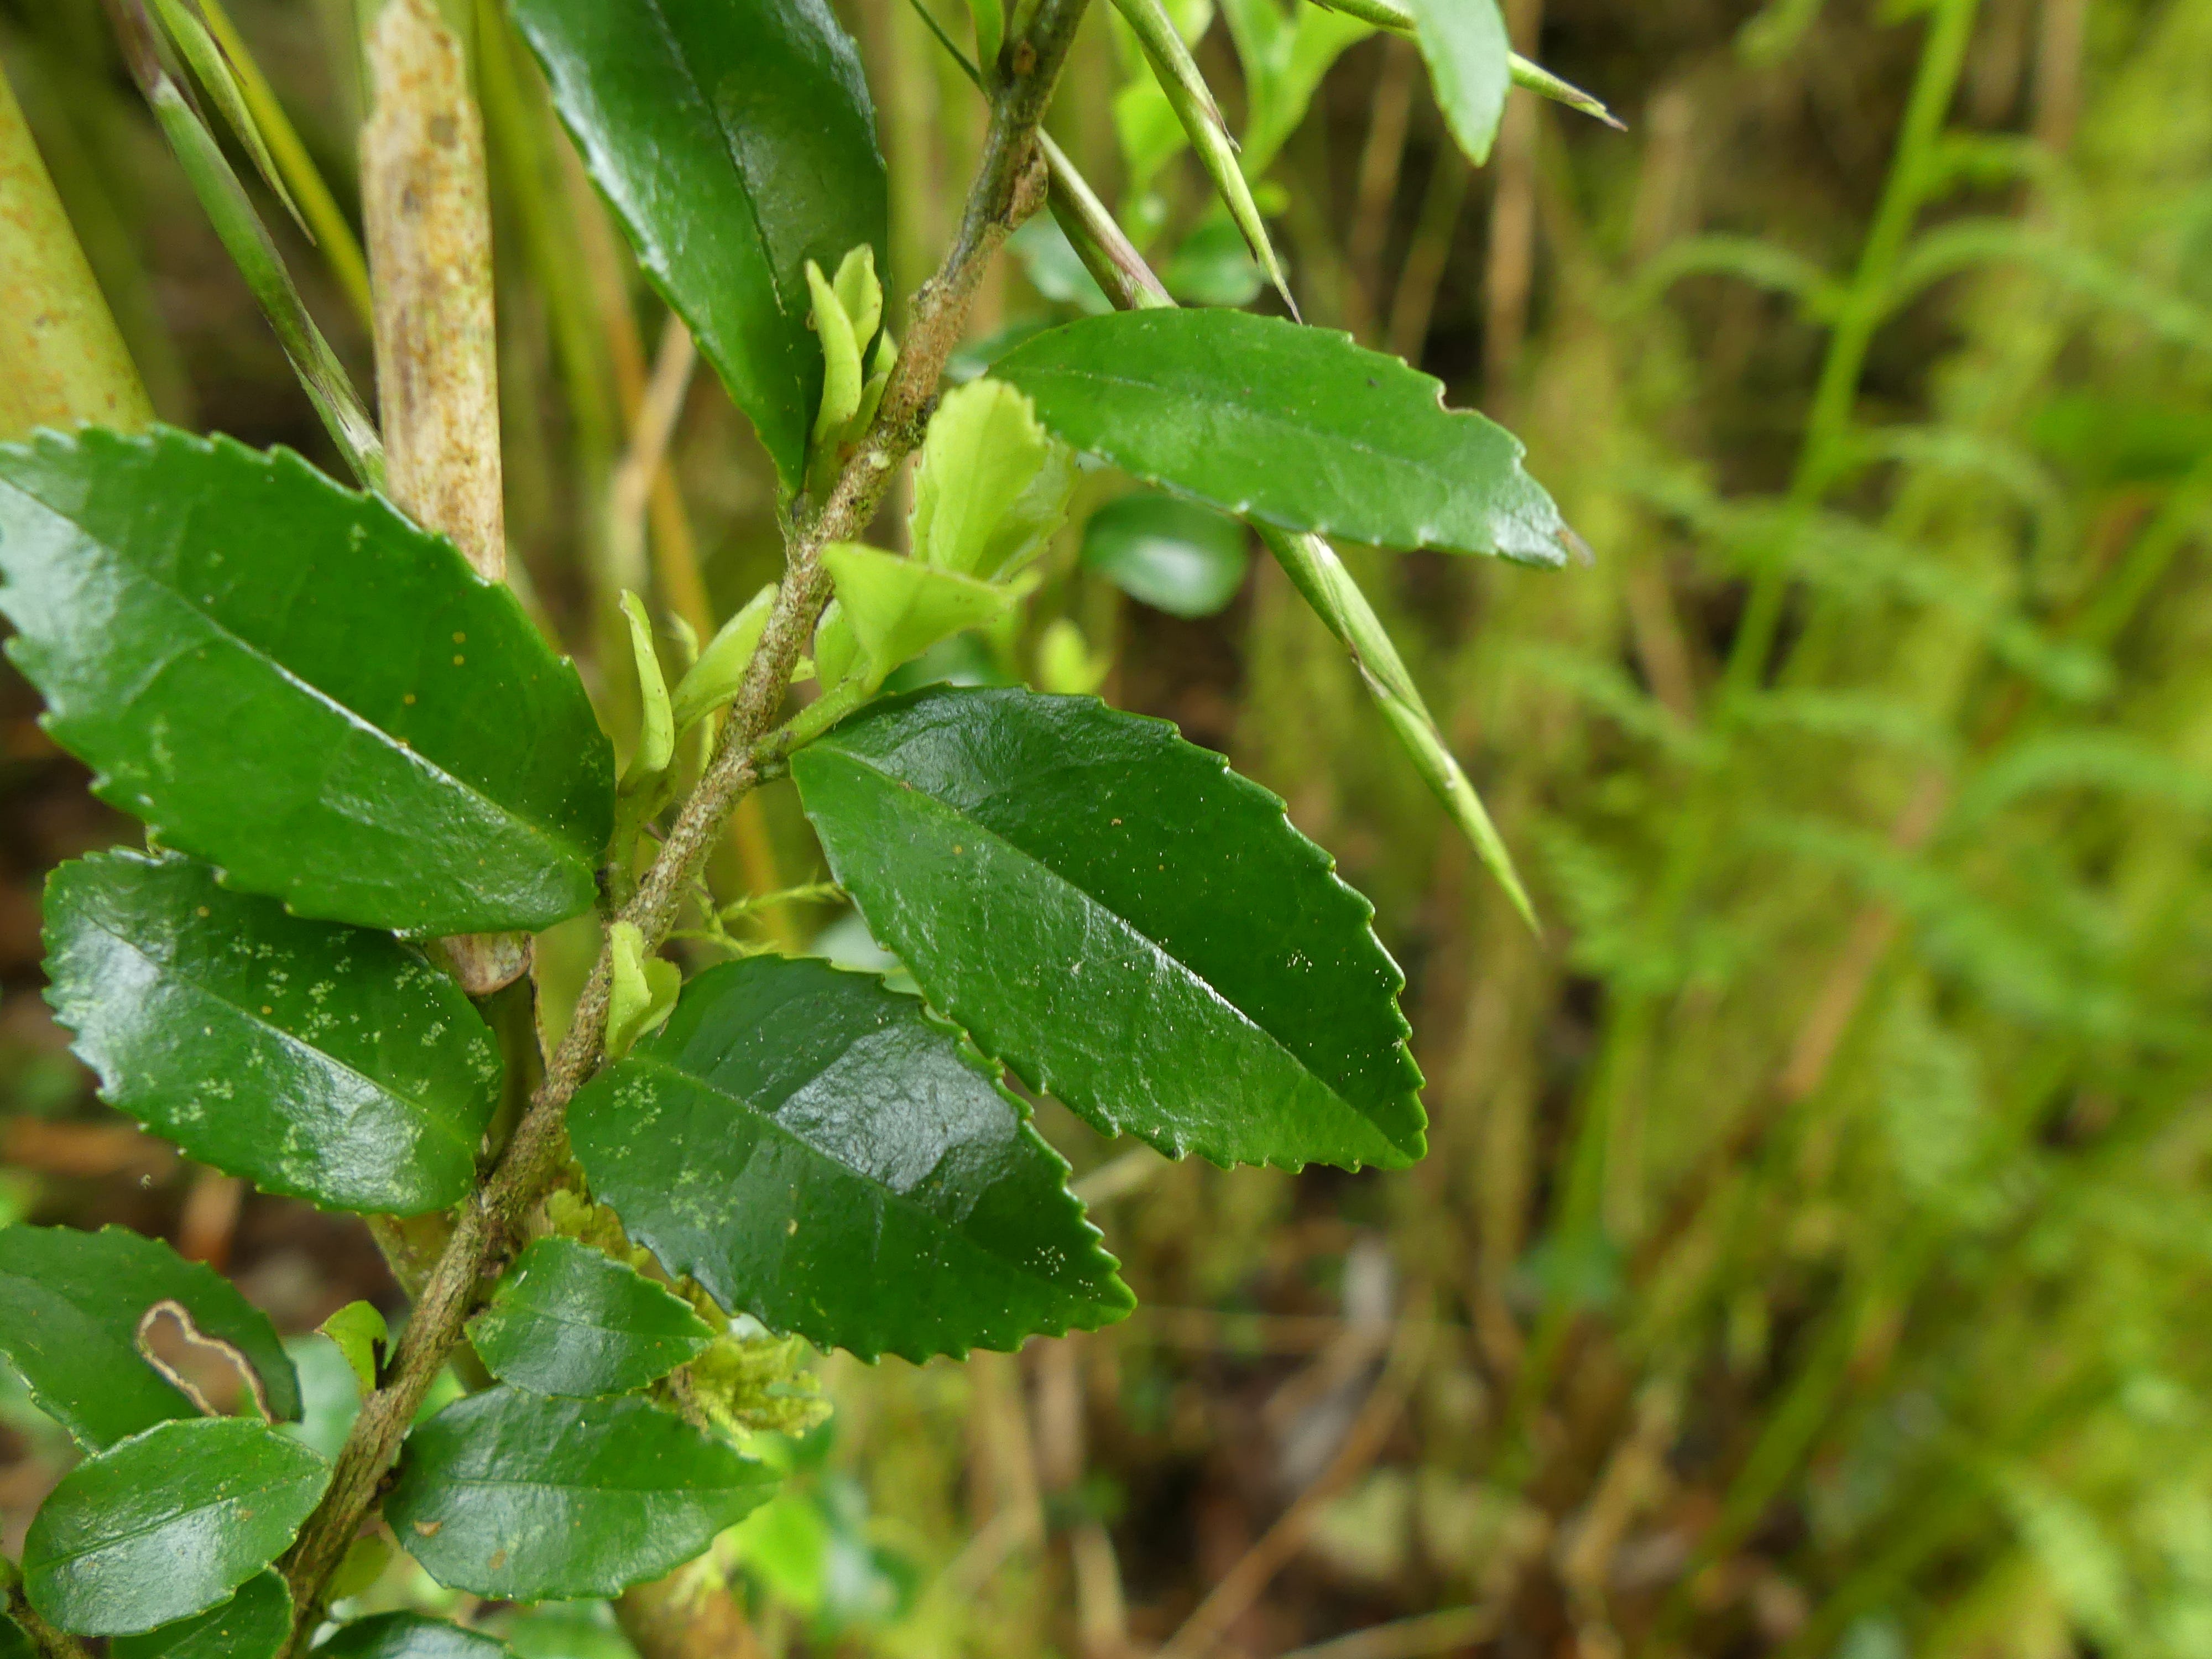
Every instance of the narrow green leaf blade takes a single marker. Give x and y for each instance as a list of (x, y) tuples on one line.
[(254, 1624), (1125, 921), (70, 1303), (1295, 426), (292, 682), (1174, 556), (318, 1061), (409, 1636), (736, 141), (168, 1523), (570, 1320), (529, 1499), (1470, 65), (818, 1151)]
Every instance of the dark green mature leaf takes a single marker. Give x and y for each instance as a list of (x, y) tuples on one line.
[(291, 681), (1297, 427), (570, 1320), (1470, 65), (168, 1523), (254, 1624), (408, 1636), (817, 1150), (14, 1644), (70, 1303), (1177, 556), (530, 1498), (323, 1061), (1125, 921), (736, 141)]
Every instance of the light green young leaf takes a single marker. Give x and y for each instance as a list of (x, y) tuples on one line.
[(1469, 60), (898, 609), (860, 293), (359, 1331), (168, 1523), (1285, 51), (879, 378), (642, 992), (1064, 662), (990, 17), (840, 358), (213, 70), (254, 1624), (992, 485), (714, 679), (1174, 555), (837, 653), (656, 738)]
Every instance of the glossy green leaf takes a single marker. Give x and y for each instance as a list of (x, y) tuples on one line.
[(254, 1624), (898, 608), (71, 1305), (319, 1061), (736, 141), (524, 1497), (291, 681), (1295, 426), (1125, 921), (571, 1320), (409, 1636), (820, 1151), (168, 1523), (1470, 66), (1174, 556), (991, 486), (720, 670), (361, 1333)]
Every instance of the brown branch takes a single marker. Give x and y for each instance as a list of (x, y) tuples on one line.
[(45, 1641), (1010, 184)]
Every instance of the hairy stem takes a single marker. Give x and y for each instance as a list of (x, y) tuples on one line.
[(1010, 184)]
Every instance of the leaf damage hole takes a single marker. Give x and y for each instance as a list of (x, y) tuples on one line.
[(207, 1371)]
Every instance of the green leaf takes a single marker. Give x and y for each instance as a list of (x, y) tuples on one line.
[(841, 359), (254, 1624), (293, 682), (1470, 66), (14, 1644), (524, 1497), (715, 678), (1126, 922), (820, 1151), (1176, 556), (992, 485), (1295, 426), (736, 141), (359, 1331), (990, 19), (197, 47), (318, 1061), (897, 609), (408, 1636), (643, 990), (168, 1523), (570, 1320), (71, 1305), (656, 736)]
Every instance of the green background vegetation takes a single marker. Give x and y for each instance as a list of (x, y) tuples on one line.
[(1812, 1254)]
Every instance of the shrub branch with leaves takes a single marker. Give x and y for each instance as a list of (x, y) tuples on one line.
[(364, 773)]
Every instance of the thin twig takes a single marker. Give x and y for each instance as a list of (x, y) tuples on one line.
[(47, 1642), (642, 465), (1010, 184)]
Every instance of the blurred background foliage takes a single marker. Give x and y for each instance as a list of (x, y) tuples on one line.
[(1813, 1255)]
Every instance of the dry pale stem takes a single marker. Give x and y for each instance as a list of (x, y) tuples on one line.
[(423, 200), (1010, 183)]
